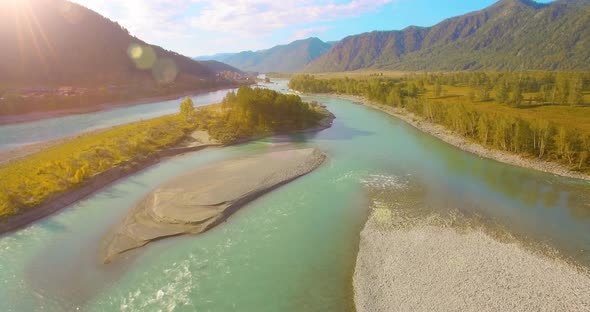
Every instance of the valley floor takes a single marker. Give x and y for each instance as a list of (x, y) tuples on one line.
[(463, 143)]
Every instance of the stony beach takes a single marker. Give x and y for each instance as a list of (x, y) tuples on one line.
[(430, 267)]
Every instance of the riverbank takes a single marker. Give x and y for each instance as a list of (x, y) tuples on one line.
[(425, 266), (465, 144), (15, 119)]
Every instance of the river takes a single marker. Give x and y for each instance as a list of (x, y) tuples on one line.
[(293, 249), (14, 135)]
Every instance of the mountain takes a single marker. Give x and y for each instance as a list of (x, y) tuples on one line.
[(509, 35), (214, 57), (283, 58), (218, 67), (59, 42)]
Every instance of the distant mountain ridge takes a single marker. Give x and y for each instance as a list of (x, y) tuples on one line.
[(283, 58), (509, 35), (66, 43), (218, 67)]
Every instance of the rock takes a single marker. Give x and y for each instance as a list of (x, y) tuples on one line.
[(195, 202)]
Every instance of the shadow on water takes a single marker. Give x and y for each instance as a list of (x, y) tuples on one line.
[(77, 275), (415, 202), (342, 132), (550, 209), (54, 226)]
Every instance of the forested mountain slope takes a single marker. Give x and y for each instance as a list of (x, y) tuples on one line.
[(509, 35), (283, 58)]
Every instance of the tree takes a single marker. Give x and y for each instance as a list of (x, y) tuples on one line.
[(502, 93), (483, 130), (542, 132), (484, 92), (187, 109), (395, 96), (563, 90), (437, 89), (577, 92), (516, 98)]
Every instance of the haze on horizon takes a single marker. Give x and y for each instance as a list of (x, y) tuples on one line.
[(205, 27)]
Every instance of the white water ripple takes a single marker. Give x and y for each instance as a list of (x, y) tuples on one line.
[(175, 293)]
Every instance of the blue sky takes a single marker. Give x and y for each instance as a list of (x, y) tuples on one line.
[(202, 27)]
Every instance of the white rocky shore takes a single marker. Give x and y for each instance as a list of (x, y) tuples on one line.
[(430, 267)]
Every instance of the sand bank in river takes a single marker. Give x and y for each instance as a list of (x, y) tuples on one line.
[(430, 267), (463, 143), (197, 201)]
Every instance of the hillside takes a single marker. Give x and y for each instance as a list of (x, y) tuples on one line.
[(218, 67), (509, 35), (283, 58), (46, 45)]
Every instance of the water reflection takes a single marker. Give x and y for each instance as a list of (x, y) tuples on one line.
[(550, 209)]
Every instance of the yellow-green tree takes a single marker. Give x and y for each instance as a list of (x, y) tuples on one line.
[(187, 109)]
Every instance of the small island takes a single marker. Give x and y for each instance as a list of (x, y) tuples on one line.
[(199, 200)]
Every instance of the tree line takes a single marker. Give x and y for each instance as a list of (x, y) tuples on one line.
[(257, 111)]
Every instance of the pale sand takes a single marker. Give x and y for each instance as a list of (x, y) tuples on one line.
[(199, 200), (428, 267), (465, 144)]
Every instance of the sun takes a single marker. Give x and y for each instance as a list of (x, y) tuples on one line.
[(14, 6)]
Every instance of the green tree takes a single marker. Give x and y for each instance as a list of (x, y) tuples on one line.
[(563, 90), (577, 92), (437, 89), (516, 98), (187, 109), (502, 94), (484, 92)]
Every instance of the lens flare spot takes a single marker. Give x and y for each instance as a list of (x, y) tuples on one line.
[(165, 70), (144, 57), (135, 51)]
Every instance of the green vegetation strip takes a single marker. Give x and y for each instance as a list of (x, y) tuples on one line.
[(32, 180)]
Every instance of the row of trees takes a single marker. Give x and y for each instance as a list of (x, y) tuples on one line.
[(540, 138), (506, 88), (563, 88)]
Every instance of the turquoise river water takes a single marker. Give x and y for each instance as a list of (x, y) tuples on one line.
[(291, 250)]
